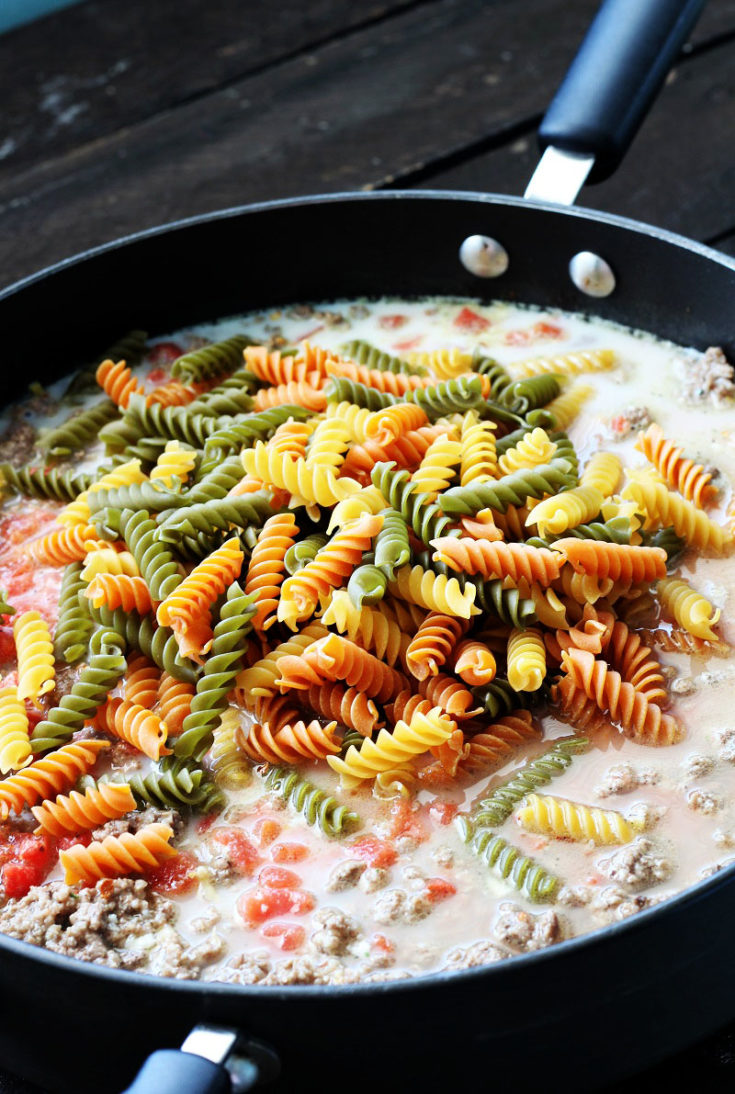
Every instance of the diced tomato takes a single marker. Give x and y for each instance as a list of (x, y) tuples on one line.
[(374, 851), (289, 852), (408, 343), (289, 936), (277, 877), (175, 876), (543, 329), (241, 852), (380, 942), (405, 821), (65, 842), (33, 858), (157, 375), (7, 644), (266, 830), (261, 904), (438, 889), (443, 812), (518, 338), (163, 353), (392, 322), (205, 823), (620, 424), (470, 321)]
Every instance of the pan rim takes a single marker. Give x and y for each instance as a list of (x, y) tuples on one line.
[(480, 198), (703, 889)]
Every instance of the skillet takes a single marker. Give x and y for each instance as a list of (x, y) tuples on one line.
[(590, 1010)]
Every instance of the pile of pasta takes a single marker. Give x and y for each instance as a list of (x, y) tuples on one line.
[(395, 566)]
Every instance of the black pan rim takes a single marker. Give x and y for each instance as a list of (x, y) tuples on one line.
[(478, 198), (704, 889)]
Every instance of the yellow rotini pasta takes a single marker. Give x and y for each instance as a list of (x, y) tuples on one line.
[(15, 746), (664, 508), (329, 442), (391, 750), (174, 465), (109, 561), (563, 511), (377, 629), (603, 473), (532, 450), (690, 609), (567, 364), (479, 458), (439, 465), (78, 512), (35, 652), (434, 591), (571, 820), (310, 483), (444, 363), (526, 659), (229, 766), (566, 407)]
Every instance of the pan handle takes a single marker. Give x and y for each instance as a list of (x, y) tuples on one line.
[(615, 77)]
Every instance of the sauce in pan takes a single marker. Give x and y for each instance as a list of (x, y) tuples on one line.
[(550, 752)]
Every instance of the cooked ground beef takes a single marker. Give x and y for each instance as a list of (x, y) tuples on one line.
[(304, 970), (727, 743), (523, 931), (709, 379), (575, 896), (92, 924), (622, 779), (244, 968), (702, 801), (443, 856), (346, 875), (374, 878), (16, 444), (613, 904), (335, 932), (170, 956), (479, 953), (636, 865), (696, 765), (134, 821), (398, 906)]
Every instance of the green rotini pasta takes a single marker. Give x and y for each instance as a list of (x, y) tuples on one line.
[(74, 627), (177, 423), (95, 682), (214, 516), (498, 698), (211, 360), (176, 783), (217, 483), (498, 376), (367, 585), (341, 389), (315, 805), (141, 633), (392, 549), (138, 495), (44, 482), (155, 562), (5, 607), (78, 429), (523, 872), (424, 516), (255, 427), (513, 489), (220, 670), (446, 397), (507, 604), (533, 392), (366, 354)]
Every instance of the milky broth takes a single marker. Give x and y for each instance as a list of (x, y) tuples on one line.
[(687, 789)]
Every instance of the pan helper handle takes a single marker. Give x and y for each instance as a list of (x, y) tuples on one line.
[(607, 92), (206, 1063)]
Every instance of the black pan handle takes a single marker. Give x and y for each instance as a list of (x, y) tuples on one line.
[(615, 77), (212, 1060), (170, 1071)]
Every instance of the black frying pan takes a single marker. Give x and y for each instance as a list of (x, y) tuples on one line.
[(576, 1016)]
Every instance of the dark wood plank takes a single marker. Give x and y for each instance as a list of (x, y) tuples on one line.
[(350, 115), (92, 69), (680, 172)]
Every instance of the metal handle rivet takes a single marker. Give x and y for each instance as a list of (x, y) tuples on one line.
[(483, 256), (591, 274)]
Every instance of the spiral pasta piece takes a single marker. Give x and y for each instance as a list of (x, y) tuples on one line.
[(406, 451), (49, 776), (173, 393), (15, 746), (445, 364), (512, 865), (336, 658), (209, 361), (120, 591), (526, 659), (565, 819), (514, 561), (511, 490), (267, 565), (116, 856), (274, 368), (142, 681), (296, 391), (682, 474), (313, 484), (82, 812), (436, 592), (391, 750), (35, 652), (568, 364), (497, 743), (78, 430), (474, 663), (447, 693), (174, 465), (301, 591), (229, 766), (183, 609), (329, 442), (376, 629), (532, 450), (616, 561), (174, 701), (260, 680), (664, 508), (133, 723), (563, 511), (438, 467), (677, 640), (479, 459), (282, 736), (417, 509), (317, 807), (566, 407), (117, 382), (107, 560), (690, 609), (640, 720), (62, 546), (395, 383), (603, 473), (433, 643), (346, 705)]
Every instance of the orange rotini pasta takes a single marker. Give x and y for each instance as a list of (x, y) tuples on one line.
[(80, 812), (116, 856), (49, 776), (130, 722)]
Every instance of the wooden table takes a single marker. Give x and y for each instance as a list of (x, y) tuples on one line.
[(122, 114)]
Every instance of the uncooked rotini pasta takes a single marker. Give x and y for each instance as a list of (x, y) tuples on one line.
[(434, 591), (479, 459), (390, 750), (310, 483), (682, 474), (142, 681), (474, 663), (49, 776), (432, 645), (174, 465), (526, 659), (80, 812), (533, 449), (439, 465), (267, 565), (690, 609), (566, 819), (335, 658), (662, 508), (174, 701), (116, 856), (131, 722), (120, 591), (15, 746), (491, 559), (567, 364), (35, 652)]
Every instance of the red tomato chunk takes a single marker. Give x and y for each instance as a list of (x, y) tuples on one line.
[(469, 320), (7, 645), (438, 889), (266, 830), (443, 812), (241, 852), (374, 851), (392, 322), (175, 876), (261, 904), (288, 936), (29, 860), (163, 353), (289, 852), (277, 877)]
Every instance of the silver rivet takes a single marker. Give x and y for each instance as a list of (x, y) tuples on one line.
[(591, 274), (483, 256)]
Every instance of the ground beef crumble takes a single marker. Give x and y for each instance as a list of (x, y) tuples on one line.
[(16, 444), (702, 801), (346, 875), (335, 932), (479, 953), (612, 904), (709, 378), (636, 865), (398, 906), (91, 924), (523, 931), (134, 821), (622, 779)]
